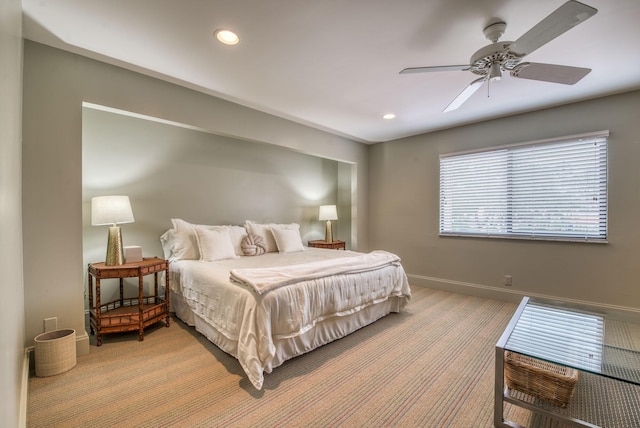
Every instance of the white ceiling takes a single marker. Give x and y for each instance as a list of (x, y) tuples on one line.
[(334, 64)]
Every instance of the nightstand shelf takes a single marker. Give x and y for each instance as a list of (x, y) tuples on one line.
[(127, 314), (334, 245)]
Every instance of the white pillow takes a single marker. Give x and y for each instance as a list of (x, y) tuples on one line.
[(263, 231), (237, 233), (185, 244), (287, 237), (214, 244), (166, 240)]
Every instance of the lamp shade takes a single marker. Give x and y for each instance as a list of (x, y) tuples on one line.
[(328, 212), (110, 210)]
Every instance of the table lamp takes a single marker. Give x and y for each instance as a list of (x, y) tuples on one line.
[(112, 210), (328, 213)]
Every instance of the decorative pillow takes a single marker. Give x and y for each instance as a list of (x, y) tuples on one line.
[(214, 244), (253, 245), (287, 237), (264, 231)]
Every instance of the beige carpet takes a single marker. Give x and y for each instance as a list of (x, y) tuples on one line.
[(430, 366)]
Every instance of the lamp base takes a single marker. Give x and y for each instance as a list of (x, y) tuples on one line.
[(115, 252), (327, 235)]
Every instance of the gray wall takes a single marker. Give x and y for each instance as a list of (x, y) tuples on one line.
[(12, 357), (56, 84), (404, 207), (170, 171)]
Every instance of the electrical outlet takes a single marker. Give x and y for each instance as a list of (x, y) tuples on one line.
[(50, 324), (508, 280)]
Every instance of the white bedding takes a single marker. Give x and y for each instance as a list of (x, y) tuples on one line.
[(262, 280), (264, 330)]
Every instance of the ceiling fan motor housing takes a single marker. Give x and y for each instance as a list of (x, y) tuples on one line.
[(499, 52)]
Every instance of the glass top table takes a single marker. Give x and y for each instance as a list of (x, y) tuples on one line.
[(569, 337)]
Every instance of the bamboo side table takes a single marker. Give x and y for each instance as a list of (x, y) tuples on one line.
[(127, 314), (335, 244)]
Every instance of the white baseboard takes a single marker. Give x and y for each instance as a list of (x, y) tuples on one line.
[(82, 343), (24, 392), (509, 294)]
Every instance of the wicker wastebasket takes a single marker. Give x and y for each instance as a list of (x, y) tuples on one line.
[(55, 352), (541, 379)]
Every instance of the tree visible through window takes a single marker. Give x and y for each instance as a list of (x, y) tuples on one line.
[(552, 189)]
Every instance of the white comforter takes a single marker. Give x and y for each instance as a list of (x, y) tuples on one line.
[(263, 330), (266, 279)]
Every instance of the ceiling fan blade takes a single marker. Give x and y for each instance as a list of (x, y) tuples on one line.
[(561, 20), (550, 72), (465, 94), (437, 68)]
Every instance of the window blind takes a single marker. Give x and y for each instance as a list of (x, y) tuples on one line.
[(552, 189)]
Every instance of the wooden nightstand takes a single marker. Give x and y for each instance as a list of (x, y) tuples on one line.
[(334, 245), (128, 314)]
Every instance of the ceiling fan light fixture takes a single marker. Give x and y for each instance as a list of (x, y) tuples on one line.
[(495, 73), (227, 37)]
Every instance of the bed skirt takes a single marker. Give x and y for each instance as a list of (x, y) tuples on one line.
[(323, 332)]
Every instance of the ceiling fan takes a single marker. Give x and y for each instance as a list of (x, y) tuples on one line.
[(490, 61)]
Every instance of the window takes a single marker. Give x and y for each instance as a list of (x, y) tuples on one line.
[(551, 189)]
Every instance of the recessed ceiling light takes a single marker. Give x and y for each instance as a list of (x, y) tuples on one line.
[(227, 37), (389, 116)]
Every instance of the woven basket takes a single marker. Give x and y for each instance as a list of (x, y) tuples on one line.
[(547, 381), (55, 352)]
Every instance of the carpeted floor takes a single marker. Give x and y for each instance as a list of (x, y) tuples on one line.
[(430, 366)]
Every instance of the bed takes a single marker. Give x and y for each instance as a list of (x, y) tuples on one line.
[(264, 298)]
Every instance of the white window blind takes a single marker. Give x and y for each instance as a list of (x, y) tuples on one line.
[(552, 189)]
